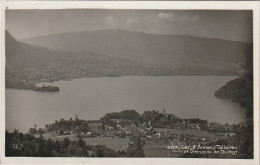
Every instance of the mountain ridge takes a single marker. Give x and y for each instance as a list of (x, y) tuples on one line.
[(141, 32), (113, 54), (173, 51)]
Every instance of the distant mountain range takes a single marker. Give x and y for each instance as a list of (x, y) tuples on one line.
[(28, 64), (203, 55), (120, 53)]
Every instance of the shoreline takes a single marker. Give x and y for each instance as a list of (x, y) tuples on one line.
[(26, 87)]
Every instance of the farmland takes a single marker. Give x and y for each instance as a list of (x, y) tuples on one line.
[(194, 132), (113, 143), (158, 149)]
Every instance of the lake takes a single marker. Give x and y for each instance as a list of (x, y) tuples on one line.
[(91, 98)]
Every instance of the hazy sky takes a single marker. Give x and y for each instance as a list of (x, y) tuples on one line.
[(230, 25)]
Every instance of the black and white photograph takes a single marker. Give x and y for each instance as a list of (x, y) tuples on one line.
[(129, 83)]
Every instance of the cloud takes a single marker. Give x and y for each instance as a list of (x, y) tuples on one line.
[(186, 18), (111, 20), (159, 22), (176, 17), (148, 20), (158, 19), (131, 21), (166, 16)]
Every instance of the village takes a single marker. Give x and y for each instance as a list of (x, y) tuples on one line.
[(157, 131)]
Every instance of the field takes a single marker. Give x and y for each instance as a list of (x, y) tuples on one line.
[(152, 149), (194, 132), (158, 149), (113, 143), (55, 137)]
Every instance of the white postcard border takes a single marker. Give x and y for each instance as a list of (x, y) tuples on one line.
[(176, 5)]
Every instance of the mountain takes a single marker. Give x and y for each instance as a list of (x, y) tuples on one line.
[(27, 65), (184, 54), (109, 53), (20, 55)]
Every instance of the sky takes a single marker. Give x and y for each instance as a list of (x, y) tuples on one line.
[(230, 25)]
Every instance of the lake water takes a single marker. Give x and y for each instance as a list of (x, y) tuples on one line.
[(91, 98)]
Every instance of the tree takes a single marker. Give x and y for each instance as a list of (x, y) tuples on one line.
[(74, 150), (125, 114), (113, 115), (66, 142), (40, 151), (122, 134), (57, 146), (16, 132), (48, 148), (81, 143), (152, 116), (99, 152), (40, 131), (32, 131), (7, 135), (129, 114), (136, 146)]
